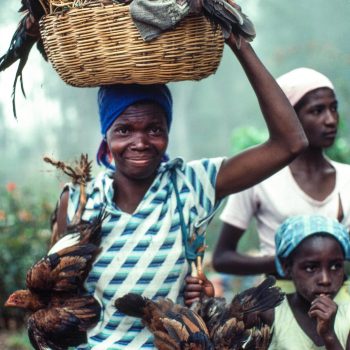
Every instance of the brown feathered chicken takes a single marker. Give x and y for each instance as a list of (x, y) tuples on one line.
[(235, 326), (174, 327), (61, 310)]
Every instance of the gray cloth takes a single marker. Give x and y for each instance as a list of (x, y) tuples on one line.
[(153, 17)]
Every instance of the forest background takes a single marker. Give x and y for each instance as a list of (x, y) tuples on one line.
[(217, 116)]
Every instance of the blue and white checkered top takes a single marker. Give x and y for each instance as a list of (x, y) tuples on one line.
[(142, 252)]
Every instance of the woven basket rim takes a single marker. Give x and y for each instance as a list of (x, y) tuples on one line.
[(76, 39)]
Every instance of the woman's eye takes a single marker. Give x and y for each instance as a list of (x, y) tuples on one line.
[(336, 266), (121, 130), (309, 268), (156, 130), (316, 111)]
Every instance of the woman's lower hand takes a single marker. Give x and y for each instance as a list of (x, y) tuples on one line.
[(195, 288)]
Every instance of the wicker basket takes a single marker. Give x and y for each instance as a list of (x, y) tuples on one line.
[(94, 46)]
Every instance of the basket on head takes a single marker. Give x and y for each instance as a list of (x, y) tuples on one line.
[(100, 45)]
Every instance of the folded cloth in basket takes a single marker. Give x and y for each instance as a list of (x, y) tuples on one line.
[(153, 17)]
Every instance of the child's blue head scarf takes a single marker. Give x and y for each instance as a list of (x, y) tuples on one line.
[(296, 228), (113, 100)]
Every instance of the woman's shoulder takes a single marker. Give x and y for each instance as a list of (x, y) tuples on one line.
[(340, 167), (343, 174), (203, 165), (97, 190)]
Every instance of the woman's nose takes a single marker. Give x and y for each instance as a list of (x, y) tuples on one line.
[(140, 141), (331, 118)]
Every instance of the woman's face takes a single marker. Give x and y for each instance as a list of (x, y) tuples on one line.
[(317, 267), (138, 139), (318, 114)]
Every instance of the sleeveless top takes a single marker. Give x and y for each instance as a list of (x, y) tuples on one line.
[(142, 252), (288, 335)]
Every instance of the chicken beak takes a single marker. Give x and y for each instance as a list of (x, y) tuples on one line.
[(10, 302)]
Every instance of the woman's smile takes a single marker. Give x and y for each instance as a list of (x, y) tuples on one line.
[(140, 161)]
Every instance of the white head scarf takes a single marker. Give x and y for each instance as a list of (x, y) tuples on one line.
[(298, 82)]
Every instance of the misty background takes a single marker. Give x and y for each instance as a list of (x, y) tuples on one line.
[(62, 121)]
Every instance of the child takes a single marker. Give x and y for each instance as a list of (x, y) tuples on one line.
[(311, 251)]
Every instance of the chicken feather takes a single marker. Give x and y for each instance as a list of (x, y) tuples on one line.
[(62, 312), (65, 270), (23, 39), (227, 15), (174, 326), (163, 341), (228, 324)]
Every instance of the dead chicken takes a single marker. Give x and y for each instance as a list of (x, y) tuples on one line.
[(61, 310), (26, 35), (236, 325), (174, 327), (227, 15)]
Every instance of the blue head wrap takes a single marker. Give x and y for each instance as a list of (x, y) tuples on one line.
[(113, 100), (296, 228)]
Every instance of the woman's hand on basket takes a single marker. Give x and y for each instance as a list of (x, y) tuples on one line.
[(234, 41), (196, 6)]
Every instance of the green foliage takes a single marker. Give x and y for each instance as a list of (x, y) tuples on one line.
[(24, 239), (245, 137), (18, 341), (340, 151)]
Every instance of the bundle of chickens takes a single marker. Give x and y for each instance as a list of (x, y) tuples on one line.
[(61, 310), (221, 13), (211, 323)]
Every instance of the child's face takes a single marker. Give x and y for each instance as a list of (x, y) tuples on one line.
[(317, 267)]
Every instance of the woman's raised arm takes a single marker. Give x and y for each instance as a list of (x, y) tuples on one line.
[(286, 136)]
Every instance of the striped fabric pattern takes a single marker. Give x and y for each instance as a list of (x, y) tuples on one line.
[(142, 252)]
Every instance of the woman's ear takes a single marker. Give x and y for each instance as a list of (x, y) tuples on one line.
[(287, 268), (109, 154)]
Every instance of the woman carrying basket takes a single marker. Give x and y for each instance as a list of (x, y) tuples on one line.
[(149, 199)]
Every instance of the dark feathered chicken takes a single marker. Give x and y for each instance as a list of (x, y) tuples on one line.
[(37, 8), (174, 327), (227, 15), (26, 35), (234, 326), (61, 310)]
